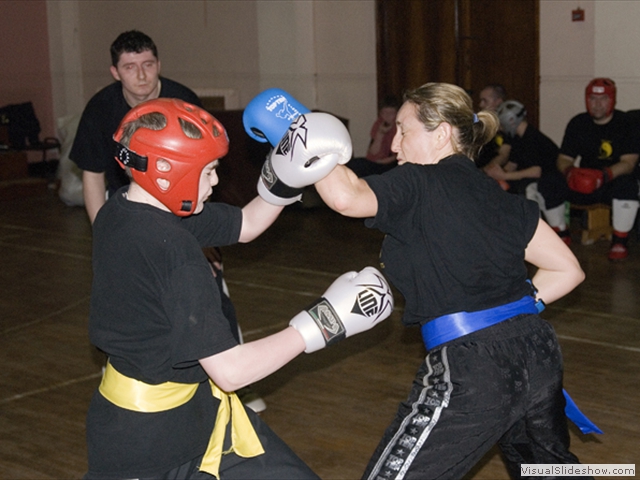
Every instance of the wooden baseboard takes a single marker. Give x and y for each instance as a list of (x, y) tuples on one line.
[(22, 188)]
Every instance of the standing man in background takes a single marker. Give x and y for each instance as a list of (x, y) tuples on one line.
[(136, 68)]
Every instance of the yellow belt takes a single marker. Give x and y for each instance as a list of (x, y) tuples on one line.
[(138, 396)]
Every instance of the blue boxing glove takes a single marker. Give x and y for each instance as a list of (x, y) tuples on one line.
[(267, 117)]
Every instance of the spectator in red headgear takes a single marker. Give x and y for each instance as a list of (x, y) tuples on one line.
[(598, 157)]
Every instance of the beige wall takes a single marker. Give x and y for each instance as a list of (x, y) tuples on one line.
[(24, 59), (346, 64), (321, 51), (617, 48), (572, 53)]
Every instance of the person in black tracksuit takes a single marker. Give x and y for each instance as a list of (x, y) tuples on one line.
[(531, 154), (529, 159), (455, 247)]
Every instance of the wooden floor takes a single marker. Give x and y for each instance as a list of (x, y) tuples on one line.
[(331, 406)]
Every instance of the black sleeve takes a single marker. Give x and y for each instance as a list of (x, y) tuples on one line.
[(396, 193), (631, 136), (571, 140), (531, 219), (503, 139), (217, 225), (88, 146), (93, 146), (548, 154)]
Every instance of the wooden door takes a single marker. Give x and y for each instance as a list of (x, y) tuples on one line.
[(471, 43)]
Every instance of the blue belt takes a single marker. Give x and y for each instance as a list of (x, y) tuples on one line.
[(449, 327)]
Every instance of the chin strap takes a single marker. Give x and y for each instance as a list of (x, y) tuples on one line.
[(131, 159)]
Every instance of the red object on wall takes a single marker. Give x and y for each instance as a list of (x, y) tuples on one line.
[(577, 15)]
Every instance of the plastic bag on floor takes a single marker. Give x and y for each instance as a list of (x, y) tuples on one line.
[(70, 191)]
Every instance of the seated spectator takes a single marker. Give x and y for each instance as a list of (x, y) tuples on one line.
[(491, 97), (379, 157), (603, 140), (530, 154)]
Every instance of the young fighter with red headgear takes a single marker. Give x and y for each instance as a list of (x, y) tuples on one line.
[(165, 407), (604, 141)]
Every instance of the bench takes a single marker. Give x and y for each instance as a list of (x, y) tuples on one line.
[(596, 222)]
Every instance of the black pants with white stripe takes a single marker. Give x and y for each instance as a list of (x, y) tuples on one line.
[(499, 385)]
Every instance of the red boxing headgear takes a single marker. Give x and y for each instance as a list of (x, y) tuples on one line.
[(177, 187), (601, 86)]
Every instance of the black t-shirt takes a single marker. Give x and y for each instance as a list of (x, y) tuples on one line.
[(490, 150), (599, 146), (93, 147), (455, 240), (155, 311), (534, 148)]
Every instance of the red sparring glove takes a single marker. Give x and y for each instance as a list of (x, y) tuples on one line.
[(504, 185), (587, 180)]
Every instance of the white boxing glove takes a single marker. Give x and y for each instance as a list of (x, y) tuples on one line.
[(313, 145), (355, 302)]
